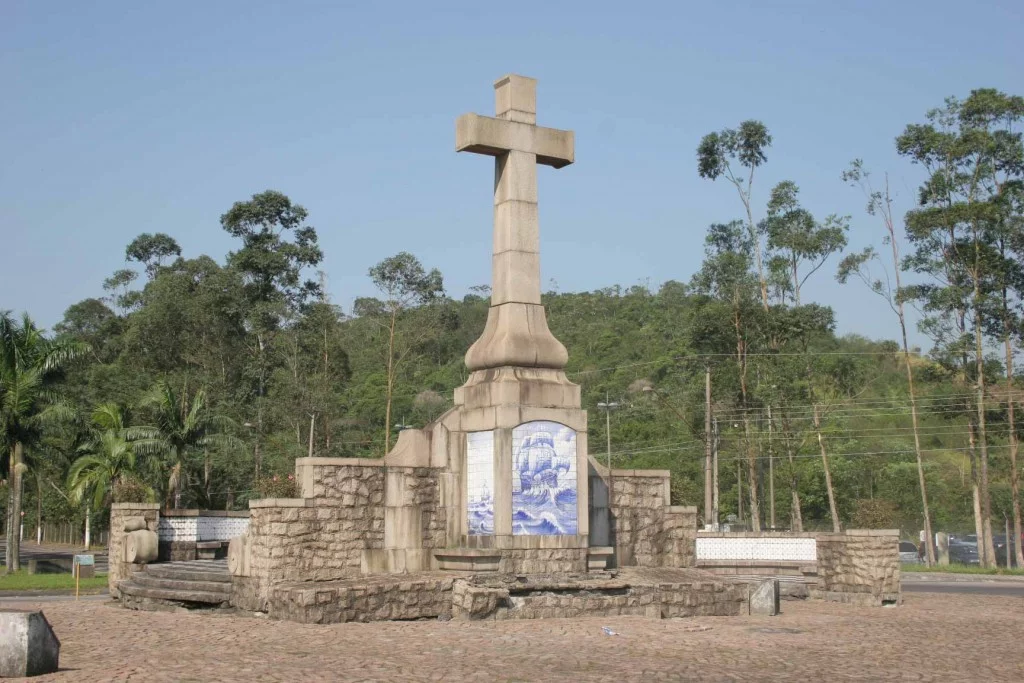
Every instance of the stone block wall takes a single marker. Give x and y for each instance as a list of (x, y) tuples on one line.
[(419, 488), (119, 569), (542, 560), (308, 540), (644, 529), (320, 537), (859, 566)]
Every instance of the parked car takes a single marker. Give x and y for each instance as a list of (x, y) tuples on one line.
[(963, 552), (908, 552)]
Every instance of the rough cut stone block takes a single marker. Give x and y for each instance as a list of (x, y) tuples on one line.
[(28, 646), (764, 598)]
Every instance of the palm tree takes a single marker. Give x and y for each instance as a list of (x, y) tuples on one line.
[(183, 424), (106, 459), (30, 366)]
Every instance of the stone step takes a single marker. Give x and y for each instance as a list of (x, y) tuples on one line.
[(133, 589), (147, 581), (173, 570)]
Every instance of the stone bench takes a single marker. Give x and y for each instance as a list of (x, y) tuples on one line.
[(211, 550)]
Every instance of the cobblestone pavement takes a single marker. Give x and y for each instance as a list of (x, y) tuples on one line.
[(931, 637)]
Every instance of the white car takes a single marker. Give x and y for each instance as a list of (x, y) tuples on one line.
[(908, 552)]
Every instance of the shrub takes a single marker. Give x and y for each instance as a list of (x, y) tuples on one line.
[(131, 491), (277, 487)]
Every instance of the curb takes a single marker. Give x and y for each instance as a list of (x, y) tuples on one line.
[(949, 577)]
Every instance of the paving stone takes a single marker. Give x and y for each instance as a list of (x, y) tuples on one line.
[(932, 637)]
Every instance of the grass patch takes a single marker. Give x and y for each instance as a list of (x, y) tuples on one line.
[(23, 581), (961, 569)]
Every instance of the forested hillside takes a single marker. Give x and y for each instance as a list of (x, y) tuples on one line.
[(198, 379)]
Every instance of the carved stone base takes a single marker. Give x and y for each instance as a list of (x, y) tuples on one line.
[(516, 334)]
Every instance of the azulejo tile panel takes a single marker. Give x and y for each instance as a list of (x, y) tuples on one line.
[(543, 479), (781, 549), (480, 483), (222, 528)]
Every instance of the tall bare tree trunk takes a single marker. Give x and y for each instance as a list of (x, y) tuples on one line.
[(39, 510), (9, 526), (741, 358), (14, 542), (979, 526), (1014, 475), (390, 384), (708, 448), (796, 521), (828, 474), (929, 536), (771, 473), (986, 501)]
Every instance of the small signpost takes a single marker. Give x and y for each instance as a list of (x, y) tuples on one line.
[(83, 566)]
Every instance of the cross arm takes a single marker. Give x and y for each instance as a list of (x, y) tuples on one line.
[(491, 136)]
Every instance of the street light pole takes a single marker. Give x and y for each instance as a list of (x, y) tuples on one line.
[(607, 406)]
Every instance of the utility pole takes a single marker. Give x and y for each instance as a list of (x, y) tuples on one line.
[(708, 448), (739, 487), (607, 406), (714, 474), (771, 473)]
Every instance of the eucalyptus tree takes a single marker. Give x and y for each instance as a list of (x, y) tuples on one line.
[(890, 288), (405, 285), (30, 370), (152, 251), (971, 154), (744, 146), (272, 271), (726, 278), (800, 246)]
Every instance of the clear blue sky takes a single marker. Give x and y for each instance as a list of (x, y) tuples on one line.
[(118, 118)]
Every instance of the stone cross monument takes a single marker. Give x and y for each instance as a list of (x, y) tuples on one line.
[(512, 452), (517, 332)]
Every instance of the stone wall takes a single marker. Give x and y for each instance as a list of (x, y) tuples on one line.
[(310, 540), (320, 537), (644, 529), (378, 598), (859, 566), (118, 568)]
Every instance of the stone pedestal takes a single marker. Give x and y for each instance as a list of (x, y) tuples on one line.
[(28, 646)]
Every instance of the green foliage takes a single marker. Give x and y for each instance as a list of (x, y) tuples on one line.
[(276, 487), (130, 490)]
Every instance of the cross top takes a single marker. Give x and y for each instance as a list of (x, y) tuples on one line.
[(516, 333)]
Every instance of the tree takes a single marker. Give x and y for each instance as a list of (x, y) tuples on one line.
[(802, 246), (971, 155), (30, 367), (725, 276), (182, 423), (151, 251), (271, 268), (126, 300), (405, 284), (880, 204), (107, 459), (745, 146)]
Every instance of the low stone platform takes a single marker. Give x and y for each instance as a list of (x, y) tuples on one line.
[(196, 584), (654, 593)]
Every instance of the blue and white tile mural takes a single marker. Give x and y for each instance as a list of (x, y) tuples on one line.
[(480, 483), (543, 479)]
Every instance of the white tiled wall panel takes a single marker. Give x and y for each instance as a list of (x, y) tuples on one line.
[(178, 528), (201, 528), (782, 549), (222, 528)]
